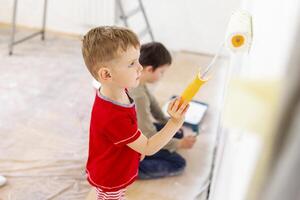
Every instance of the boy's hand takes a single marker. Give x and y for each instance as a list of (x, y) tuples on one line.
[(187, 142), (177, 111)]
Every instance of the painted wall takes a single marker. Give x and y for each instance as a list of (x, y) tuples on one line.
[(192, 25)]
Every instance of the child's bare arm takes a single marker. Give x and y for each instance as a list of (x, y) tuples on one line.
[(152, 145)]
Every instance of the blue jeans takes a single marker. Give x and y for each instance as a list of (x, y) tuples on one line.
[(162, 164)]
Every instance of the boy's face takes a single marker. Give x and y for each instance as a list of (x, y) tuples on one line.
[(126, 69), (157, 74)]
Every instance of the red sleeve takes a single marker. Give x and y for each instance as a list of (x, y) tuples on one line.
[(122, 130)]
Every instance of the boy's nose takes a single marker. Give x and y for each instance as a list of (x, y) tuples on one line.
[(140, 67)]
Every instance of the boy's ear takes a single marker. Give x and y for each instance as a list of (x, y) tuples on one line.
[(149, 68), (104, 74)]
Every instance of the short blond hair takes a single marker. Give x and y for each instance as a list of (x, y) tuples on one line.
[(104, 43)]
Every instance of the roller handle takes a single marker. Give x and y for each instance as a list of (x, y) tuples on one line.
[(192, 89)]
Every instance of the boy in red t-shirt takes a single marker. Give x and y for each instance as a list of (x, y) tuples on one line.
[(116, 145)]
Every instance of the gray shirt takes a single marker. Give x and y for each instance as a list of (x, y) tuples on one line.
[(148, 108)]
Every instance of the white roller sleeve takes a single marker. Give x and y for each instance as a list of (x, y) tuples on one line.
[(239, 32)]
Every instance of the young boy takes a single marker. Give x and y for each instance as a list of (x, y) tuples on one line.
[(156, 59), (116, 145)]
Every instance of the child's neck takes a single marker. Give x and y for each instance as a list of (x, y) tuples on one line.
[(117, 94), (143, 80)]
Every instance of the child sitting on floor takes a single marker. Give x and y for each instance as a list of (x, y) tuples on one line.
[(156, 59)]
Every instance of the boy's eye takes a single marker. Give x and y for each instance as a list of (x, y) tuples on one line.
[(131, 64)]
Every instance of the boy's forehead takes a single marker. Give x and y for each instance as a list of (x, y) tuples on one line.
[(127, 56), (130, 54)]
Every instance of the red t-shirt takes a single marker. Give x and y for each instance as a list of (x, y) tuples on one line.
[(112, 165)]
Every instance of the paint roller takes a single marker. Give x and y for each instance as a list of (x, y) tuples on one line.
[(238, 39)]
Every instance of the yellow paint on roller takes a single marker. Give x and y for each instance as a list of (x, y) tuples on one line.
[(192, 89), (238, 40)]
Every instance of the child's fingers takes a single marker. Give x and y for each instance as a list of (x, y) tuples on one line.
[(171, 104), (175, 106), (183, 107)]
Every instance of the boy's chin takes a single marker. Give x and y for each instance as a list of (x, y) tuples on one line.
[(134, 85), (153, 81)]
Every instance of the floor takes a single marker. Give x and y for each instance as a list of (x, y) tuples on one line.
[(46, 96)]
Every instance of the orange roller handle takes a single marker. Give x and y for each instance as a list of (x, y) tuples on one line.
[(192, 89)]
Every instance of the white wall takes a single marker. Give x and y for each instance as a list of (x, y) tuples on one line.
[(274, 24), (191, 25), (181, 25), (70, 16)]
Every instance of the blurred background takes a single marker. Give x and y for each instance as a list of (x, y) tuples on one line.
[(248, 141)]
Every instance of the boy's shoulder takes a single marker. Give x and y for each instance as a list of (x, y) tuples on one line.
[(104, 114), (108, 109)]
